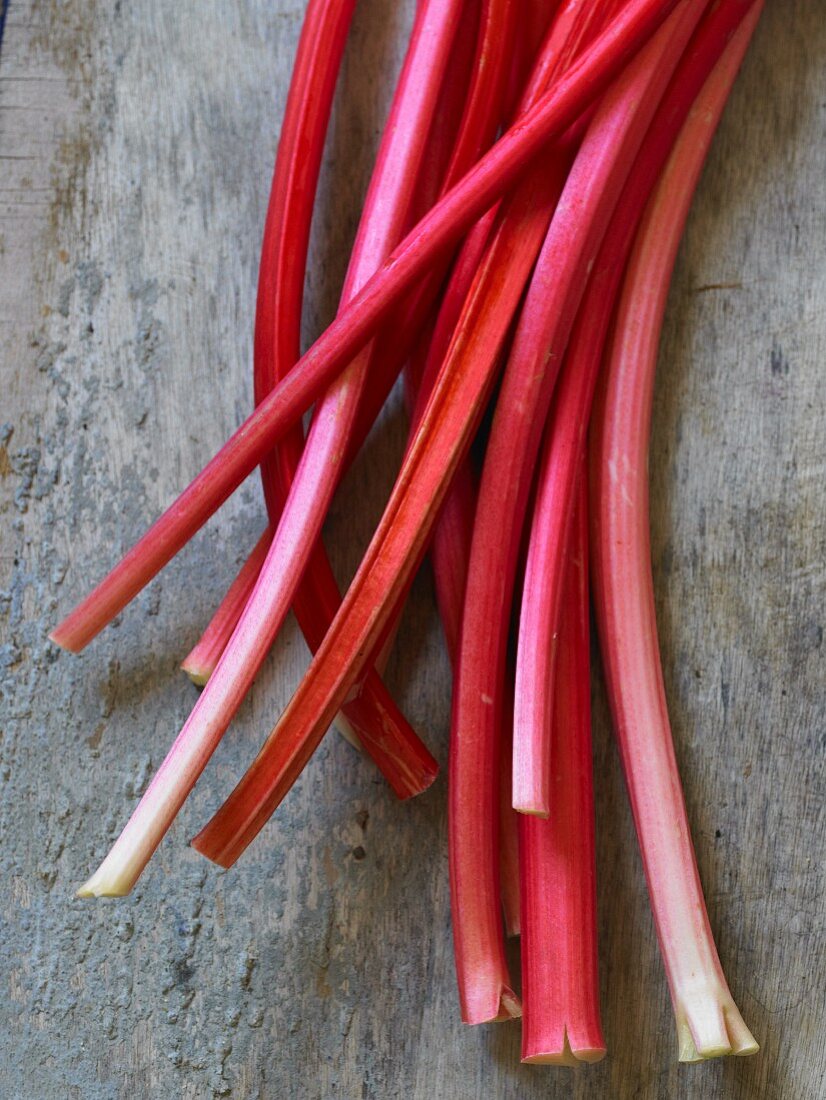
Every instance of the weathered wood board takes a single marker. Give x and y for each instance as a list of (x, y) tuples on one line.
[(136, 144)]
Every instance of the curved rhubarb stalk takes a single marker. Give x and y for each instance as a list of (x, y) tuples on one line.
[(354, 326), (708, 1021), (569, 418), (277, 345), (280, 296), (560, 982), (308, 486), (581, 218), (317, 475)]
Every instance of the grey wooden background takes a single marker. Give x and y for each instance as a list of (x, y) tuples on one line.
[(136, 143)]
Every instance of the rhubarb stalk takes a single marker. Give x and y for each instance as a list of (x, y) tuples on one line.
[(708, 1021), (560, 982)]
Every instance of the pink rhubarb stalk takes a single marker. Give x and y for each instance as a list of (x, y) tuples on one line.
[(569, 418), (579, 223), (708, 1021), (299, 481), (385, 209), (355, 325), (560, 981), (306, 487), (277, 348)]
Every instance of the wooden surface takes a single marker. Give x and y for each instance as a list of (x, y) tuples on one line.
[(136, 144)]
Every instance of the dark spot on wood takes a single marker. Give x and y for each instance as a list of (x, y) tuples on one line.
[(704, 287), (93, 741), (779, 362), (359, 853)]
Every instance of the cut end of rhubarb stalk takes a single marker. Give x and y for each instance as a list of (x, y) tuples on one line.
[(709, 1025), (532, 809), (197, 673), (487, 1010), (200, 844), (510, 1007), (58, 638), (566, 1056), (104, 885)]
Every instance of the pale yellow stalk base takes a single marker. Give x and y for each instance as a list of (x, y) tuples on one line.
[(709, 1025), (104, 885)]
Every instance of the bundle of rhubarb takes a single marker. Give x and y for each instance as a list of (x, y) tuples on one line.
[(512, 262)]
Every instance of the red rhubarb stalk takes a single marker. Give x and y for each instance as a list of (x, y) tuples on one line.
[(560, 982), (278, 318), (581, 218), (277, 345), (355, 325), (708, 1021), (317, 475)]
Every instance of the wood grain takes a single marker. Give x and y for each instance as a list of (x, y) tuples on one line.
[(136, 144)]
